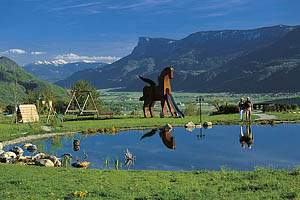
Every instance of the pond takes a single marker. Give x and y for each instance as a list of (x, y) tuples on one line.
[(178, 149)]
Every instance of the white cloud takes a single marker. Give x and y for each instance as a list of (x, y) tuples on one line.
[(37, 52), (16, 51), (71, 57)]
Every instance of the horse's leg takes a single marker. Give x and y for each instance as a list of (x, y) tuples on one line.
[(163, 107), (151, 108), (145, 110)]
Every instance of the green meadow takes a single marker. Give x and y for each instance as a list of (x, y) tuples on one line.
[(31, 182)]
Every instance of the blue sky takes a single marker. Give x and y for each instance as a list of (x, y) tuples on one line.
[(102, 30)]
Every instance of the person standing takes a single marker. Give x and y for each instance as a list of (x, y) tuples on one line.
[(248, 108), (241, 108)]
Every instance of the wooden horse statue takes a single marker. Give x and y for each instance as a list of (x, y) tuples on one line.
[(159, 92)]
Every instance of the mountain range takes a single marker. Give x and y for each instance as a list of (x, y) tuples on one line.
[(15, 82), (258, 60), (53, 71)]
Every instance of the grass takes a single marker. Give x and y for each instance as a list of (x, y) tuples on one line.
[(31, 182), (10, 131), (285, 116)]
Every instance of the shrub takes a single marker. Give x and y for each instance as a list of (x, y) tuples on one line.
[(10, 109), (192, 110)]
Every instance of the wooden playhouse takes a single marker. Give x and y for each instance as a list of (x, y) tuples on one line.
[(27, 113)]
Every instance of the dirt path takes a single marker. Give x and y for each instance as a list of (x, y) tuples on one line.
[(263, 115)]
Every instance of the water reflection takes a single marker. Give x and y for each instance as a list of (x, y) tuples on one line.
[(165, 135), (246, 137), (220, 147)]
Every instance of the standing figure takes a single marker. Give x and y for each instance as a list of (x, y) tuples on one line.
[(248, 108), (241, 108)]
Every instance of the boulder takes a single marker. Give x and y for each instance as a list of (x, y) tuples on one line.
[(207, 124), (39, 156), (7, 156), (32, 148), (25, 146), (55, 161), (44, 163), (190, 124), (83, 164), (168, 127), (17, 150), (25, 159), (190, 128)]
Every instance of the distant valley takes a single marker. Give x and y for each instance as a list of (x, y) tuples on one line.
[(59, 69)]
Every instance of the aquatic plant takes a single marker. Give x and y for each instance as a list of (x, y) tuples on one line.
[(106, 163), (116, 163)]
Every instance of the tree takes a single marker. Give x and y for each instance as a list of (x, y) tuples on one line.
[(30, 97), (81, 96)]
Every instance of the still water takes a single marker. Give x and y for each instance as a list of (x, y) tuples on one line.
[(178, 149)]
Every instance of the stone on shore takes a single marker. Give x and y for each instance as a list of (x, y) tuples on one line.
[(6, 157), (83, 164), (190, 124), (17, 150), (168, 127), (44, 163)]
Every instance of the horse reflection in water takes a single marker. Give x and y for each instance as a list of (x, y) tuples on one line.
[(165, 135), (246, 138)]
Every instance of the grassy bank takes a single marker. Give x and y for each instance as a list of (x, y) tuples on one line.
[(11, 131), (285, 116), (31, 182)]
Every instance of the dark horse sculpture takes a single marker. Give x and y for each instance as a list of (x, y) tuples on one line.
[(159, 92)]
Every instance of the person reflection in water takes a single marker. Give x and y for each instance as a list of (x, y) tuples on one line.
[(246, 138), (165, 135)]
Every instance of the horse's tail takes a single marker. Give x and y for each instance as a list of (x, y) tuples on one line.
[(152, 83)]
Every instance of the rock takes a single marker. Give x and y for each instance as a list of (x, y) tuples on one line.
[(25, 159), (168, 127), (46, 128), (83, 164), (1, 146), (20, 163), (55, 161), (76, 148), (190, 124), (17, 150), (32, 148), (57, 164), (207, 124), (190, 128), (39, 156), (76, 142), (25, 146), (44, 163), (7, 156)]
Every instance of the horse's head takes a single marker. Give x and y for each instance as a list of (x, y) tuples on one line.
[(168, 71), (171, 73)]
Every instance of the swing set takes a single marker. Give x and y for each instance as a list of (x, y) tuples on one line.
[(82, 110), (52, 112)]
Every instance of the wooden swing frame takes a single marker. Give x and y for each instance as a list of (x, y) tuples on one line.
[(81, 110)]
